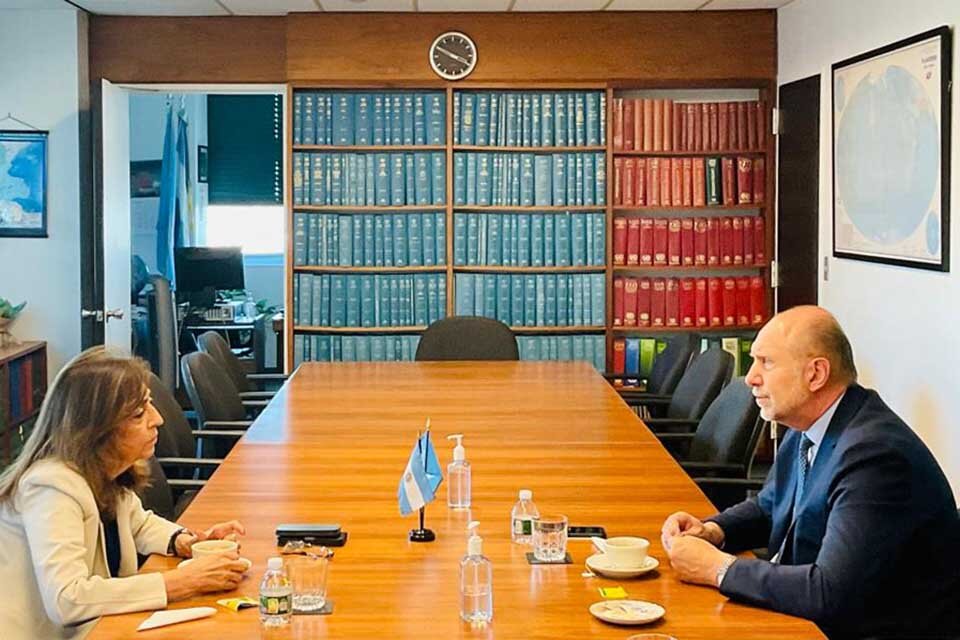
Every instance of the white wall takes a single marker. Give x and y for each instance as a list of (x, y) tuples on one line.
[(39, 83), (901, 321)]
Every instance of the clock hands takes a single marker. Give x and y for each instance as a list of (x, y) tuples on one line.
[(451, 54)]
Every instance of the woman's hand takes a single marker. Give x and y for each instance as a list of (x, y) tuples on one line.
[(231, 530), (207, 574)]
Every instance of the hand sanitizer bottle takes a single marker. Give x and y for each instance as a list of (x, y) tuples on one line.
[(476, 583), (458, 476)]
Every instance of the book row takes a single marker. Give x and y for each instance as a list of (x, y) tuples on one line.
[(527, 179), (688, 182), (369, 179), (369, 118), (529, 240), (653, 124), (533, 300), (20, 388), (391, 300), (689, 302), (591, 349), (686, 242), (327, 348), (529, 119), (634, 357), (370, 239)]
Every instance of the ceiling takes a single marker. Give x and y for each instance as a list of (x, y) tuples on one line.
[(282, 7)]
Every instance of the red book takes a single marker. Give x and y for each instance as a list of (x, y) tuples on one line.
[(737, 224), (688, 303), (687, 199), (673, 243), (713, 241), (619, 355), (667, 125), (676, 126), (619, 241), (697, 126), (726, 241), (633, 241), (747, 240), (744, 180), (666, 172), (640, 180), (646, 241), (686, 242), (618, 123), (26, 386), (723, 140), (702, 313), (629, 302), (743, 301), (618, 302), (657, 124), (643, 303), (660, 242), (617, 182), (653, 182), (715, 301), (658, 301), (700, 242), (626, 129), (638, 124), (729, 302), (761, 125), (705, 126), (759, 180), (759, 241), (714, 129), (751, 109), (647, 124), (629, 182), (728, 186), (758, 301), (732, 125), (699, 182), (741, 125), (672, 313), (676, 181)]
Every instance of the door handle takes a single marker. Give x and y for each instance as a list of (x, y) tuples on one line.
[(116, 314), (96, 314)]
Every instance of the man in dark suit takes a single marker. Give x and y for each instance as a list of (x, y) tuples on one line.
[(857, 515)]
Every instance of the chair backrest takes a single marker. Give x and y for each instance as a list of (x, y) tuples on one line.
[(669, 365), (211, 391), (213, 343), (729, 429), (157, 496), (468, 338), (700, 384), (174, 439), (162, 331)]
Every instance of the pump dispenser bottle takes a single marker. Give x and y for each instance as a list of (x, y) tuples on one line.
[(458, 476), (476, 582)]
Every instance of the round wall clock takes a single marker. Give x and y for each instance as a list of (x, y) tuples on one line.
[(453, 55)]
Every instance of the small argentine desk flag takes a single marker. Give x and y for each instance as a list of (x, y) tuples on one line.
[(420, 479)]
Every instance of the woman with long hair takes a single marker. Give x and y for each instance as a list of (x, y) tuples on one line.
[(71, 524)]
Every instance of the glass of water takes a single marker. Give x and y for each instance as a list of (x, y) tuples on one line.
[(308, 575), (550, 538)]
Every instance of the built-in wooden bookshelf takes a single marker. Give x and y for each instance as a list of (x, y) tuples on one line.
[(23, 384)]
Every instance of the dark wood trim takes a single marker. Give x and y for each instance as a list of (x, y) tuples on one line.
[(90, 170)]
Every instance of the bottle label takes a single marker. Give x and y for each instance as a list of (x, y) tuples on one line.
[(275, 605), (527, 527), (523, 526)]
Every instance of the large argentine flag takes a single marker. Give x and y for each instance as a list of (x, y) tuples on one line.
[(420, 479)]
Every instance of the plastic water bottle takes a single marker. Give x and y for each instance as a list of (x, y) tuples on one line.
[(476, 583), (276, 595), (522, 517)]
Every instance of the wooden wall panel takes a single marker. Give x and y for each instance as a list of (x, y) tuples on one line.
[(619, 47), (235, 49)]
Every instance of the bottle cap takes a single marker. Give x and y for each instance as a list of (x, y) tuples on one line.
[(459, 453), (275, 564), (526, 494)]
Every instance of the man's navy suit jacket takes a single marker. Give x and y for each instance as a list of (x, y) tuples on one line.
[(874, 548)]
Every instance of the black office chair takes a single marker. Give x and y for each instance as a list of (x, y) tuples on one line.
[(213, 343), (215, 399), (158, 497), (668, 368), (467, 338), (161, 344), (700, 384)]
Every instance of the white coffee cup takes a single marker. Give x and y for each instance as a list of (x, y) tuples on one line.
[(626, 551), (213, 547)]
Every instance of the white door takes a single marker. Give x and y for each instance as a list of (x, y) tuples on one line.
[(116, 216)]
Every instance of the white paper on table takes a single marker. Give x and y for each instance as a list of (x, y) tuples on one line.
[(173, 616)]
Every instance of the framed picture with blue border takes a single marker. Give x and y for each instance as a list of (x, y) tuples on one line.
[(23, 183)]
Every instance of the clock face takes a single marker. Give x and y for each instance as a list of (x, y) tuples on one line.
[(453, 55)]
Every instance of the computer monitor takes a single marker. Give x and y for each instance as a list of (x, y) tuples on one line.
[(202, 271)]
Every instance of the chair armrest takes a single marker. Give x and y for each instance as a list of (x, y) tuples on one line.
[(267, 377), (671, 425), (226, 424), (674, 437), (211, 433), (643, 397), (754, 484), (186, 484), (255, 404), (190, 462), (714, 469), (256, 395)]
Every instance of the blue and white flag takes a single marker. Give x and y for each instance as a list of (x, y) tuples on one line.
[(420, 479), (167, 215)]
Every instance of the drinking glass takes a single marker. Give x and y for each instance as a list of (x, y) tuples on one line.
[(550, 538), (308, 577)]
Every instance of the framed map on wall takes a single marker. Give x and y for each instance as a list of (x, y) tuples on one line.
[(891, 153), (23, 183)]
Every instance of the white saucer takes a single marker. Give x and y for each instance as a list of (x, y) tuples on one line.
[(627, 611), (600, 563), (184, 563)]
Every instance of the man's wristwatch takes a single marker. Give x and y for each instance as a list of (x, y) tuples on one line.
[(722, 571)]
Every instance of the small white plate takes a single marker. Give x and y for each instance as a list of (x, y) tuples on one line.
[(627, 611), (600, 563), (184, 563)]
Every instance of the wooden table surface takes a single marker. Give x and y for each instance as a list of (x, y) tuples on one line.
[(331, 448)]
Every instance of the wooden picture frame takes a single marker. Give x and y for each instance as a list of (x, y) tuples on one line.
[(23, 184)]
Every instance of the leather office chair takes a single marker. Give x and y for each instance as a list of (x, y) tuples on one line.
[(215, 399), (467, 338), (213, 343), (157, 497), (707, 374), (668, 368), (162, 329)]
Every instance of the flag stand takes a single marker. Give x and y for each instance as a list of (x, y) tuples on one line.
[(420, 534)]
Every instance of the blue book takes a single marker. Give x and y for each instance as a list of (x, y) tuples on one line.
[(441, 295), (526, 122), (408, 118), (378, 348), (516, 300), (336, 179), (357, 241), (478, 299), (364, 119), (578, 347), (440, 227), (560, 120), (349, 348), (527, 180), (561, 239), (571, 97), (338, 300), (324, 118), (396, 119), (382, 179), (471, 197), (599, 239), (536, 239), (578, 240), (369, 195), (379, 287), (459, 178), (535, 120), (484, 179), (438, 176), (308, 132), (309, 159), (345, 233), (336, 348), (298, 117), (298, 178), (600, 182), (333, 238), (597, 301), (436, 118), (367, 305), (319, 191), (378, 241), (310, 240), (467, 116), (343, 106), (410, 175), (632, 357), (368, 242), (379, 131), (429, 239), (388, 241), (549, 240), (494, 243), (463, 295), (299, 239), (529, 300), (496, 169), (324, 318), (564, 347), (481, 240), (320, 350), (603, 117), (589, 180), (482, 124), (493, 128), (552, 345), (414, 241), (593, 118), (433, 308), (397, 180), (541, 299), (456, 117), (523, 244), (512, 119), (422, 184), (388, 291), (563, 300), (323, 241), (515, 177), (550, 298), (572, 180), (298, 349), (460, 239), (578, 189), (400, 240), (351, 180), (546, 122), (419, 119), (504, 307), (576, 295), (353, 301), (490, 295), (473, 239)]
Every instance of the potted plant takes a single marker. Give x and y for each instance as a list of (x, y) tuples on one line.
[(8, 312)]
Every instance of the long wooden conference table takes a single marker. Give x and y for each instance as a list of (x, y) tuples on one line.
[(332, 445)]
